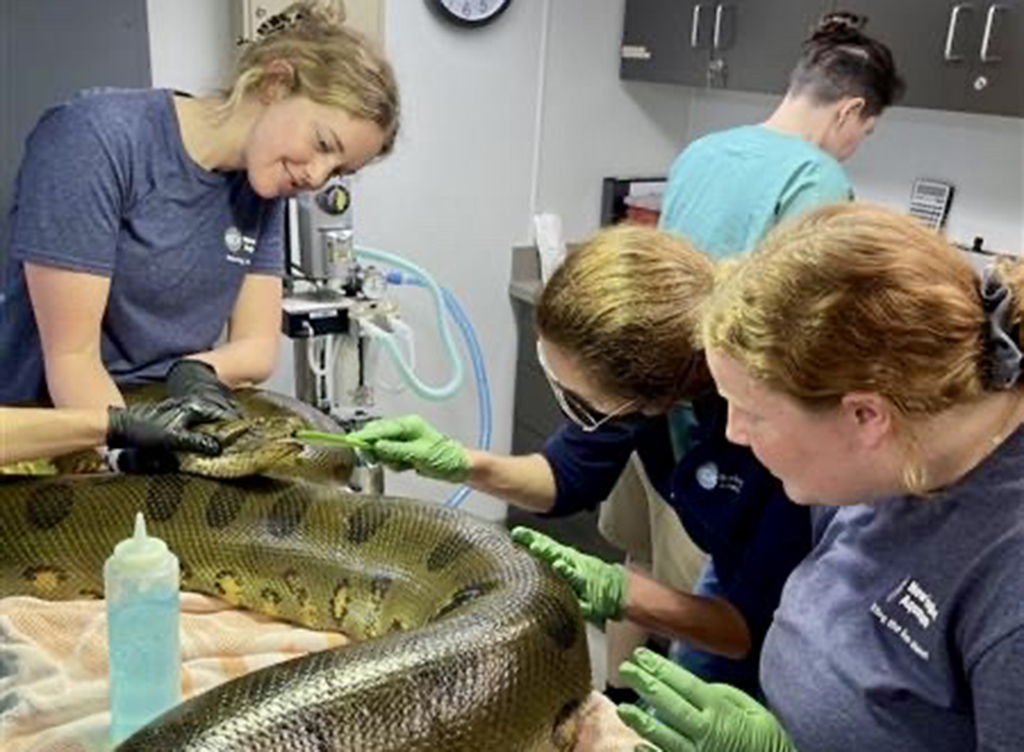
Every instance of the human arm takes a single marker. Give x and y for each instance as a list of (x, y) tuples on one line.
[(411, 443), (524, 481), (575, 472), (575, 465), (687, 714), (35, 433), (611, 591), (248, 355), (707, 623), (68, 307)]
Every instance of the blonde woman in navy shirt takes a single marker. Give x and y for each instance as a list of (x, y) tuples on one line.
[(147, 221), (878, 376)]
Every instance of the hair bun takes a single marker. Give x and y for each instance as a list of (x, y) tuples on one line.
[(330, 12), (841, 27)]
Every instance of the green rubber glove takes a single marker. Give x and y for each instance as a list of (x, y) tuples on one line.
[(600, 587), (410, 443), (694, 716)]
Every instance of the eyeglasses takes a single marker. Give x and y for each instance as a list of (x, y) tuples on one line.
[(575, 408)]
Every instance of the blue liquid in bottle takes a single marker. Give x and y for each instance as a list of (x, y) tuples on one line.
[(143, 628)]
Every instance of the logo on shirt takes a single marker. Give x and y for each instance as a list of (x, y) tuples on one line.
[(709, 478), (240, 247), (908, 611)]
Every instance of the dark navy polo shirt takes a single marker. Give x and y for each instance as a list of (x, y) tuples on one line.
[(730, 505)]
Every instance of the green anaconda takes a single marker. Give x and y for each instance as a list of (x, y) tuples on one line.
[(468, 642)]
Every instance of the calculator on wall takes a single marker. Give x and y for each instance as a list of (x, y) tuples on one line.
[(929, 201)]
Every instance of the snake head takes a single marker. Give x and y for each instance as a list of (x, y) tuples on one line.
[(250, 446)]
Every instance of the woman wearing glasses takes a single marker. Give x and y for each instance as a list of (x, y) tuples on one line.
[(618, 325)]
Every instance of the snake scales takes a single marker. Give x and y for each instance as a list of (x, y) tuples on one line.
[(467, 643)]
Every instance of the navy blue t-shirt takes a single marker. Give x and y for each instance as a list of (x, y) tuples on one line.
[(107, 188), (904, 627), (730, 505)]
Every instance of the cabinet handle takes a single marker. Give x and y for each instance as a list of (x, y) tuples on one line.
[(716, 41), (698, 9), (986, 42), (954, 19)]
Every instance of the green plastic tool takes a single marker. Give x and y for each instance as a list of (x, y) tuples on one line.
[(336, 439)]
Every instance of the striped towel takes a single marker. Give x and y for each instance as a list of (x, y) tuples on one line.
[(53, 670)]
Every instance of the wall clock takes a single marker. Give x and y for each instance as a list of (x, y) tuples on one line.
[(469, 13)]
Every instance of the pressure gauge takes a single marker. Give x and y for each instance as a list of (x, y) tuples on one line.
[(334, 199), (375, 284)]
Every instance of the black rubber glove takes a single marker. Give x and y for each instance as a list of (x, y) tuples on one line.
[(161, 427), (198, 380), (144, 461)]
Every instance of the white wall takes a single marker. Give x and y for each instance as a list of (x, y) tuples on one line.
[(191, 43), (982, 156), (594, 124)]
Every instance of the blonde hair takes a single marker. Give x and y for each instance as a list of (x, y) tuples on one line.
[(858, 298), (627, 305), (333, 65)]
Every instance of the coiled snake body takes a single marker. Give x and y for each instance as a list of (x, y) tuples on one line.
[(470, 644)]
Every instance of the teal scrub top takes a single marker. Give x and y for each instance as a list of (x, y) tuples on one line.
[(728, 189)]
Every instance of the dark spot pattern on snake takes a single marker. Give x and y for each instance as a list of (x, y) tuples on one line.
[(379, 587), (287, 515), (47, 506), (366, 522), (227, 582), (447, 552), (339, 601), (45, 576), (558, 623), (466, 595), (163, 497), (562, 732), (186, 570), (224, 506), (315, 737), (293, 581)]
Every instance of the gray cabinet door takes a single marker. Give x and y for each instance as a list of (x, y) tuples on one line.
[(932, 42), (50, 49), (996, 81), (666, 41), (756, 43)]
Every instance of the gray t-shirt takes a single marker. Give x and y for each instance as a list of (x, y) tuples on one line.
[(904, 627), (107, 188)]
